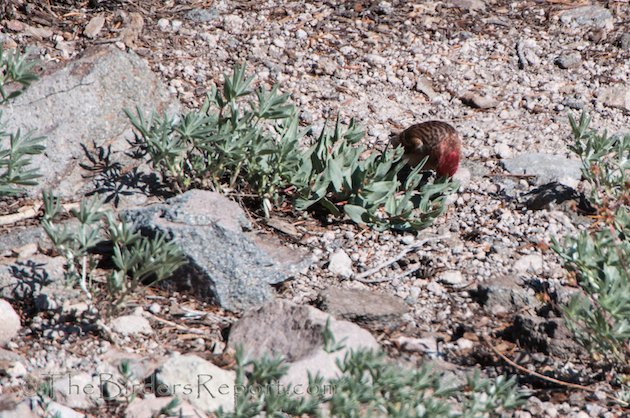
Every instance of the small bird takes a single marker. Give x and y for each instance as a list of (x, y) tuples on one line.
[(435, 139)]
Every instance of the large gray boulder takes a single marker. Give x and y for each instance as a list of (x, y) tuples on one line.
[(233, 267), (79, 108)]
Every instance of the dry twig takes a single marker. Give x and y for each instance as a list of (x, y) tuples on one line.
[(547, 378), (361, 277)]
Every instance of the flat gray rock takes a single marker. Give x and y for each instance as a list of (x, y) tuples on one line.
[(80, 108), (373, 310), (296, 333), (151, 406), (226, 263), (19, 236), (547, 168), (40, 281), (596, 16), (193, 379), (131, 325)]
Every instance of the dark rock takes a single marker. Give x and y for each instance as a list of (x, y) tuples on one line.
[(549, 195), (548, 336), (79, 109), (504, 295), (376, 311), (572, 103), (624, 42), (234, 268)]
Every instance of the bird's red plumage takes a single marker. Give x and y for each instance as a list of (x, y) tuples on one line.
[(436, 140)]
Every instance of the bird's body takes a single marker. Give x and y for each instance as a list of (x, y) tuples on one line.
[(436, 140)]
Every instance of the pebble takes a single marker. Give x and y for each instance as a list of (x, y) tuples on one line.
[(408, 239), (465, 344), (435, 288), (233, 23), (529, 263), (176, 25), (567, 61), (375, 59), (451, 277), (131, 325), (164, 24), (478, 101), (503, 150), (280, 43), (340, 264), (94, 26)]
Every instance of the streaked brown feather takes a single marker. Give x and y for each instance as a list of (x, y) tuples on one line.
[(432, 139)]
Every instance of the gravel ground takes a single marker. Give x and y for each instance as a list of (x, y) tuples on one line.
[(506, 74)]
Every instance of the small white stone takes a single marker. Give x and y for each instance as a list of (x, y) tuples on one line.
[(340, 264), (177, 25), (407, 239), (301, 34), (26, 251), (451, 277), (154, 308), (131, 325), (435, 288), (164, 24), (503, 150), (462, 176), (529, 263), (465, 344), (17, 369), (233, 23), (329, 236)]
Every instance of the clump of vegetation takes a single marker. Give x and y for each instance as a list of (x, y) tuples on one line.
[(248, 141), (599, 258), (138, 260), (16, 148), (333, 175), (369, 385)]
